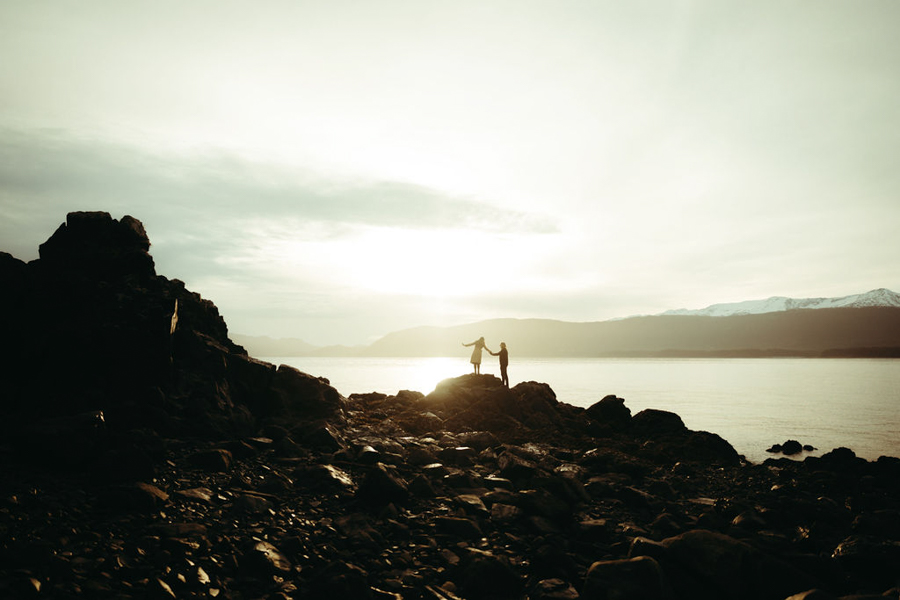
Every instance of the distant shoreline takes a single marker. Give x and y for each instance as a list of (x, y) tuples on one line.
[(893, 352)]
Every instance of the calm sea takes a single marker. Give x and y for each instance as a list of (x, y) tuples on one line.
[(752, 403)]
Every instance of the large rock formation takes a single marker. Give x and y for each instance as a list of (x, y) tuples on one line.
[(90, 327)]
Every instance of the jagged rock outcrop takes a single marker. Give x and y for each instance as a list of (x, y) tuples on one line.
[(90, 327)]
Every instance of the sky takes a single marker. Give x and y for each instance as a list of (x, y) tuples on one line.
[(334, 171)]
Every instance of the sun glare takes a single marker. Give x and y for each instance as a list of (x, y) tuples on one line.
[(428, 263), (434, 264)]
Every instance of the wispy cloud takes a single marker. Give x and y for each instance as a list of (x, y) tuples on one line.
[(45, 174)]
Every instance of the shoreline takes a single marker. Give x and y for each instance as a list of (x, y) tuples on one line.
[(751, 404), (470, 492)]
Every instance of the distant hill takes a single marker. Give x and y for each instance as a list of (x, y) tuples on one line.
[(872, 331), (271, 347), (860, 325)]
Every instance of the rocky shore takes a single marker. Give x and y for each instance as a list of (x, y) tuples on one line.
[(145, 455)]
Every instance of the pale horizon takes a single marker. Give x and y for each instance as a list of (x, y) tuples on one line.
[(335, 172)]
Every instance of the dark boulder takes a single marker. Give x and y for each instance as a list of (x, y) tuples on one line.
[(214, 460), (300, 395), (638, 578), (382, 485), (487, 575), (791, 447), (722, 566), (262, 559), (610, 411), (652, 423)]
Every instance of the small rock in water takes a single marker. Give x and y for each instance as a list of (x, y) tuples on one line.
[(791, 447)]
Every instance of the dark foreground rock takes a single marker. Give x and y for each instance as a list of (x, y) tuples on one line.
[(185, 468)]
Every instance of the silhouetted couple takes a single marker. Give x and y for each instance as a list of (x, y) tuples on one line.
[(476, 358)]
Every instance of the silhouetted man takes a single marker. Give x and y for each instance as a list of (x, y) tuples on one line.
[(504, 362)]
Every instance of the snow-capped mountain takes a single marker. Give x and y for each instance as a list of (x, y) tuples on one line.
[(879, 297)]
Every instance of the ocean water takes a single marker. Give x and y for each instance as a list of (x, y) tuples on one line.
[(752, 403)]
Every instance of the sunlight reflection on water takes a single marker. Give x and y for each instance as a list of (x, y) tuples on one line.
[(752, 403)]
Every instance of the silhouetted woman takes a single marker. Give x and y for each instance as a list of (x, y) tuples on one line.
[(476, 354)]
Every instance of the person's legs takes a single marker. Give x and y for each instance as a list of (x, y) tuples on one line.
[(503, 376)]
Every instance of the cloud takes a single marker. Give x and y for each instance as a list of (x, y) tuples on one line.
[(45, 174)]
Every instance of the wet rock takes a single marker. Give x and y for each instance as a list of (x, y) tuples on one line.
[(263, 559), (458, 527), (439, 593), (610, 460), (884, 523), (871, 560), (472, 504), (320, 435), (341, 580), (459, 456), (251, 504), (494, 482), (554, 589), (286, 446), (480, 440), (812, 595), (419, 422), (368, 455), (544, 504), (749, 520), (382, 485), (138, 497), (516, 468), (552, 559), (418, 456), (359, 529), (435, 471), (240, 448), (200, 494), (215, 460), (328, 477), (505, 513), (638, 578), (421, 487), (462, 480), (485, 575), (732, 567)]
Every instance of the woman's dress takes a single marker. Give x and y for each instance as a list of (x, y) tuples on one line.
[(476, 354)]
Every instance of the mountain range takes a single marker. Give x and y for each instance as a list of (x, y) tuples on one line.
[(859, 325), (879, 297)]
